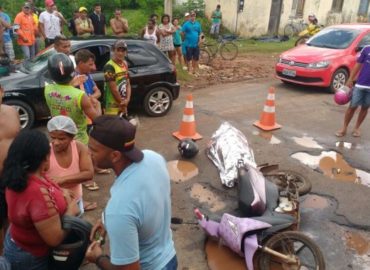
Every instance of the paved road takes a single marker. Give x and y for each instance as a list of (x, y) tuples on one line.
[(335, 214)]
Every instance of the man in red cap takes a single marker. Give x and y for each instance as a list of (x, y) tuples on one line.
[(137, 216)]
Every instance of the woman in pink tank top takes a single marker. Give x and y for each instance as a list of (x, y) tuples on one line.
[(70, 162)]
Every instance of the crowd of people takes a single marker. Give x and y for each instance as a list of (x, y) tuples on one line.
[(33, 27)]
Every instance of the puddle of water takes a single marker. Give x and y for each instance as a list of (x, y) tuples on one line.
[(308, 142), (357, 242), (267, 136), (346, 145), (203, 195), (220, 257), (333, 165), (181, 170), (315, 202)]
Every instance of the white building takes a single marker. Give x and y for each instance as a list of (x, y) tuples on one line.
[(270, 16)]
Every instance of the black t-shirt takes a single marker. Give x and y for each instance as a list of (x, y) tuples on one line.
[(98, 23)]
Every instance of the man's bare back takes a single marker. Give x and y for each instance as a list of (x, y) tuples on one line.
[(9, 128)]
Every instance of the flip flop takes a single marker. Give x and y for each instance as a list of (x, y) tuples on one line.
[(102, 171), (340, 133), (89, 206), (93, 187), (356, 133), (89, 184)]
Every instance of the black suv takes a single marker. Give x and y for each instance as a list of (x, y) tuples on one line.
[(152, 76)]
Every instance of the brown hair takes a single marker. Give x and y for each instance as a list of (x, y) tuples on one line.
[(84, 55)]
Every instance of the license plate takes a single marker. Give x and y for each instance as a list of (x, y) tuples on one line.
[(290, 73)]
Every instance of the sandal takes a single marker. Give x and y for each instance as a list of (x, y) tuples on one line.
[(340, 133), (89, 206), (356, 133), (103, 171), (92, 186)]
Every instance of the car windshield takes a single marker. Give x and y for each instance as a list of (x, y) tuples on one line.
[(39, 62), (334, 38)]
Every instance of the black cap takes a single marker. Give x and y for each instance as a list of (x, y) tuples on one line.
[(118, 134)]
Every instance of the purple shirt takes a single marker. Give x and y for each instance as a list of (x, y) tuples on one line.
[(363, 80)]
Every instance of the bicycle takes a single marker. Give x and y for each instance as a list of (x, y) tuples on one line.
[(294, 27), (225, 45)]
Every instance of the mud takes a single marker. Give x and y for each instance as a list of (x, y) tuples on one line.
[(203, 195), (333, 165), (220, 257), (181, 171), (308, 142), (315, 202), (267, 136), (357, 242)]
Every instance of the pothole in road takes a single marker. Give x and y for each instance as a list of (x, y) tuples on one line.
[(307, 142), (333, 165), (267, 136), (220, 257), (347, 145), (181, 170)]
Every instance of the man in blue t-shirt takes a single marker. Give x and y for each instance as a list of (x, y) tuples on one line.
[(192, 31), (360, 93), (5, 24), (137, 217)]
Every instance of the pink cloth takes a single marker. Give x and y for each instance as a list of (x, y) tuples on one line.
[(58, 171)]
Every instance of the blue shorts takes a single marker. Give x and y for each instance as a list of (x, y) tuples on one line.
[(192, 53), (360, 97)]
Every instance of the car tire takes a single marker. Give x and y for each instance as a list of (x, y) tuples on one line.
[(26, 113), (339, 78), (158, 101)]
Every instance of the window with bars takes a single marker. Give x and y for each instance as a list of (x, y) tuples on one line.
[(337, 6)]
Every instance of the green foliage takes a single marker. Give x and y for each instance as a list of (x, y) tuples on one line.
[(197, 5)]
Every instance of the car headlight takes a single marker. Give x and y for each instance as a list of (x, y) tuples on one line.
[(321, 64)]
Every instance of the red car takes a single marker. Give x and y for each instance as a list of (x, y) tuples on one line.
[(326, 59)]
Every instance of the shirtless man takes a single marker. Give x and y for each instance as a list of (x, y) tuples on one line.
[(119, 24), (9, 128)]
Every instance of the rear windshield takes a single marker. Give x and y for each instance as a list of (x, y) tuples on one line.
[(334, 38)]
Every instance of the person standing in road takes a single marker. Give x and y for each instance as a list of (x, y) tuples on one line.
[(26, 30), (166, 30), (98, 20), (84, 25), (119, 24), (177, 41), (5, 24), (64, 99), (137, 217), (50, 24), (192, 30), (183, 45), (360, 93), (117, 88), (216, 21)]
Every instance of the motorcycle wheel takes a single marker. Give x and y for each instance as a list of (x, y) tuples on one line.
[(292, 244), (300, 41), (281, 178)]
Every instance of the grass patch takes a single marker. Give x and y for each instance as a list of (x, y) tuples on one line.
[(183, 75), (250, 45)]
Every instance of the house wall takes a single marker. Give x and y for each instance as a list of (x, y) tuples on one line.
[(254, 19)]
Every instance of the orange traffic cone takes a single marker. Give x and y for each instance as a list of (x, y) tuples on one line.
[(187, 126), (267, 120)]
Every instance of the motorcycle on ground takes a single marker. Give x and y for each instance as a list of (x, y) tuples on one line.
[(267, 225)]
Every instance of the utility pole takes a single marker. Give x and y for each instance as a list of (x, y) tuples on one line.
[(168, 7)]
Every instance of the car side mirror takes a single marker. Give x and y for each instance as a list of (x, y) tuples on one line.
[(358, 48)]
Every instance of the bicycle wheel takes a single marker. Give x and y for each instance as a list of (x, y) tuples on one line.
[(295, 245), (289, 30), (229, 50), (204, 57), (282, 177)]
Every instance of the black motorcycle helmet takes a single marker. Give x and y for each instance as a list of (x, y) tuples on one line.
[(188, 148), (60, 68), (71, 252)]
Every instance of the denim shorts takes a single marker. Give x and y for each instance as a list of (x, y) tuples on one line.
[(172, 264), (20, 259), (360, 97), (192, 53)]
